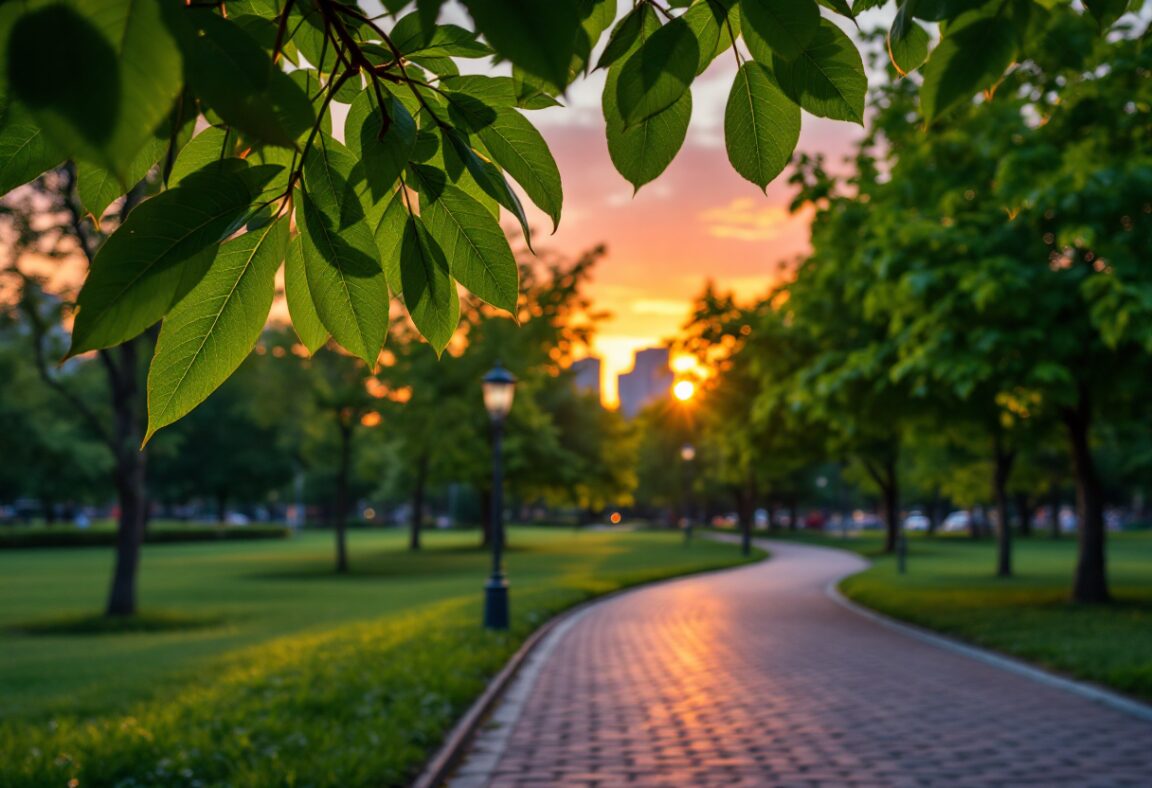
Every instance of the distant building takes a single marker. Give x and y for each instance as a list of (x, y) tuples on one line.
[(649, 380), (587, 375)]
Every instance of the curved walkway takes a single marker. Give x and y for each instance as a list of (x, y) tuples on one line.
[(755, 677)]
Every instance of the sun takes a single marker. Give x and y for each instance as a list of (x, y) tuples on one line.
[(684, 390)]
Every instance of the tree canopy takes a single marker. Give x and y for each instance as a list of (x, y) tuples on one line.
[(223, 113)]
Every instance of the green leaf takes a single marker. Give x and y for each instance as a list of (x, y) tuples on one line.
[(25, 151), (99, 76), (389, 233), (787, 27), (908, 52), (970, 58), (206, 337), (98, 188), (530, 92), (340, 256), (477, 250), (160, 253), (597, 16), (429, 292), (384, 152), (658, 73), (827, 78), (840, 7), (491, 91), (517, 146), (643, 151), (761, 125), (623, 37), (708, 21), (227, 68), (537, 36), (1106, 11), (447, 159), (489, 178), (412, 39), (305, 321), (211, 145)]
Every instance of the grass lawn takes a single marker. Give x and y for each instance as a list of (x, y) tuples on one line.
[(286, 673), (950, 587)]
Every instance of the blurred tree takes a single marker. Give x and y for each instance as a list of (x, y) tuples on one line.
[(45, 221), (559, 446), (993, 271), (222, 452), (49, 452)]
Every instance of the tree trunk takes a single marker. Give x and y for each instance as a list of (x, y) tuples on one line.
[(1054, 509), (746, 513), (934, 513), (887, 480), (1024, 512), (49, 510), (773, 526), (1003, 459), (418, 501), (129, 475), (891, 509), (340, 519), (1091, 585), (221, 507), (793, 515)]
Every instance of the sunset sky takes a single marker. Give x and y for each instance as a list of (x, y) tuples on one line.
[(698, 221)]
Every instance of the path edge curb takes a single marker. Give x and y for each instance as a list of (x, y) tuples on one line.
[(440, 765), (1083, 689)]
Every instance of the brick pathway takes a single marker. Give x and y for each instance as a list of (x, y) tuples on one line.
[(755, 677)]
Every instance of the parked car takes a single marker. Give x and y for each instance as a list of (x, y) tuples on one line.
[(958, 522), (916, 521)]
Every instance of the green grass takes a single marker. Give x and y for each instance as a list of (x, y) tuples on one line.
[(950, 587), (299, 676)]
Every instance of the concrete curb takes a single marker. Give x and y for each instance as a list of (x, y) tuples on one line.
[(447, 757), (1085, 690)]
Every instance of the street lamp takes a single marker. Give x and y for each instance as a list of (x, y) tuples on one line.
[(687, 455), (499, 386)]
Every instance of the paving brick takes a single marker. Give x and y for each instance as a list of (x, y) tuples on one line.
[(755, 677)]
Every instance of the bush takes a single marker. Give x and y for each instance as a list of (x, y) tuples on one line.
[(16, 538)]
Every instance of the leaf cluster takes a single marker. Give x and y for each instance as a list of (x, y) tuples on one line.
[(224, 111)]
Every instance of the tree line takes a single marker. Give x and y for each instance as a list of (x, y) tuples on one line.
[(978, 301)]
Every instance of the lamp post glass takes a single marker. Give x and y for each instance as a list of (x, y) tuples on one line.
[(499, 386)]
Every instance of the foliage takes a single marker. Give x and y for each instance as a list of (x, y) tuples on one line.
[(49, 452), (560, 446), (221, 452), (756, 448), (353, 682), (404, 200), (948, 588)]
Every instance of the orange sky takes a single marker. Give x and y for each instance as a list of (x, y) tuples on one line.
[(698, 221)]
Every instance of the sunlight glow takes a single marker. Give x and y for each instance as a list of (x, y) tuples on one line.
[(684, 390), (683, 363)]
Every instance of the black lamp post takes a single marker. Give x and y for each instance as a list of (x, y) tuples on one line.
[(687, 456), (499, 387)]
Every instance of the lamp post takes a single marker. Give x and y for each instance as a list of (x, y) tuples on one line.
[(499, 386), (687, 456)]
